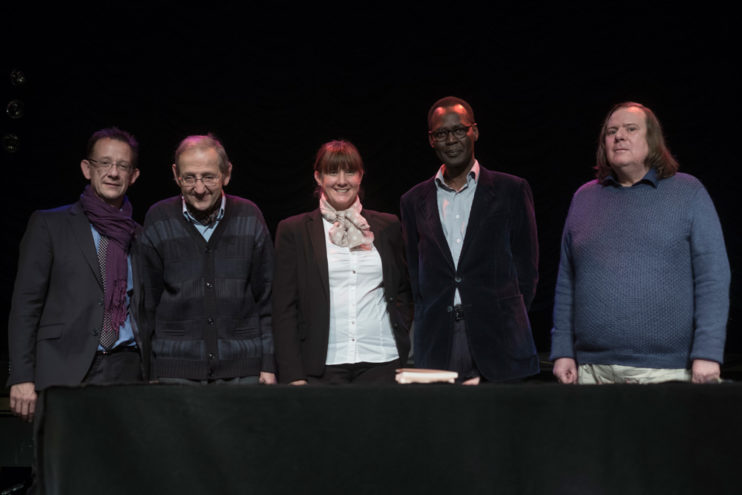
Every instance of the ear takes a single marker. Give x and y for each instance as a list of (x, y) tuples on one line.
[(318, 178), (228, 175), (431, 141), (175, 172), (475, 132), (134, 176), (85, 167)]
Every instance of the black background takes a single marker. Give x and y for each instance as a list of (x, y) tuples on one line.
[(275, 82)]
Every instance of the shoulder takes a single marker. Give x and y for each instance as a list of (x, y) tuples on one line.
[(295, 220), (241, 204), (59, 216), (589, 187), (380, 220), (682, 181), (164, 207), (418, 189), (500, 177)]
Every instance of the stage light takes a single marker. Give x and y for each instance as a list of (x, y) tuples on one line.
[(17, 77), (15, 109), (11, 143)]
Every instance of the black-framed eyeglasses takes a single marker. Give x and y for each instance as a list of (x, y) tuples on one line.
[(124, 167), (208, 180), (458, 132)]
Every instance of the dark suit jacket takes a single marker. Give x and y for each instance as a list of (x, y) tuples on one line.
[(57, 308), (301, 297), (496, 276)]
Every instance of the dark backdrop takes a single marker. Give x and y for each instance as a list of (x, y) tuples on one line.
[(274, 83)]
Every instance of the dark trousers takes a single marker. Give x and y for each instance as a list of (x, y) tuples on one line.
[(461, 360), (339, 374), (119, 366)]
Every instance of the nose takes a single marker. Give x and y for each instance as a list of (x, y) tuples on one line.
[(342, 179), (113, 171), (620, 135), (450, 138), (199, 187)]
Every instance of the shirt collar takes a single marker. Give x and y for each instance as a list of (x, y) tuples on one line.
[(471, 178), (216, 218), (649, 178)]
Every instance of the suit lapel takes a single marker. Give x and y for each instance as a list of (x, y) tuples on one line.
[(80, 227), (482, 197), (315, 232), (432, 219)]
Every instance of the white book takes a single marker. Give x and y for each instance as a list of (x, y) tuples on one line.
[(422, 375)]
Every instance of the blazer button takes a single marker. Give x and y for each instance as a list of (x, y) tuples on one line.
[(458, 280), (449, 309)]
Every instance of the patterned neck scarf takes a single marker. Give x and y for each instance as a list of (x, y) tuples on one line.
[(119, 227), (349, 229)]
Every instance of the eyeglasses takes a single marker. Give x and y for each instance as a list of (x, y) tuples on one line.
[(124, 167), (458, 132), (206, 180)]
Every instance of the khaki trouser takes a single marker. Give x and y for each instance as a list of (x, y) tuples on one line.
[(590, 374)]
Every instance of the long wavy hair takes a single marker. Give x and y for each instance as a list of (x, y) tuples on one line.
[(659, 156)]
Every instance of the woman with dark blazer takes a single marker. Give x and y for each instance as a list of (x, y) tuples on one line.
[(342, 305)]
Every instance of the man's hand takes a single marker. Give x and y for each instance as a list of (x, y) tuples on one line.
[(267, 378), (704, 371), (298, 382), (471, 381), (565, 369), (23, 400)]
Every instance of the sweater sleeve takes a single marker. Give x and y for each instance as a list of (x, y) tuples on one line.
[(711, 279), (562, 334), (262, 284)]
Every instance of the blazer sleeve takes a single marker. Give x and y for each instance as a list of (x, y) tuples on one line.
[(524, 245), (29, 294), (410, 239), (403, 300), (285, 306)]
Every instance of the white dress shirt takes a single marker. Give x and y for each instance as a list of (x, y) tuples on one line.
[(454, 208), (360, 328)]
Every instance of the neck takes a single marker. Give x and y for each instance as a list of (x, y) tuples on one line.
[(207, 216), (455, 178), (628, 176)]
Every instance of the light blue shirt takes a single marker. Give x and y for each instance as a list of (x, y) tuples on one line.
[(454, 208), (126, 332), (205, 230)]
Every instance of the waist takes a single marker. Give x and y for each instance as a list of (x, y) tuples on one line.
[(116, 350)]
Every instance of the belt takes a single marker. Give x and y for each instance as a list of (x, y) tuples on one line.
[(458, 312), (116, 350)]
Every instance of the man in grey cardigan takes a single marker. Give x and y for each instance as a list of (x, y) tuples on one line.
[(207, 262)]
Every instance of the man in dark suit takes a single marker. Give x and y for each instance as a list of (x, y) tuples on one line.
[(472, 252), (69, 320)]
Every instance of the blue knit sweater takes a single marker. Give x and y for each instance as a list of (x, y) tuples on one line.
[(643, 277)]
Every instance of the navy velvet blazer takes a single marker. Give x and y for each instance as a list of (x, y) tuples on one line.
[(301, 291), (496, 276)]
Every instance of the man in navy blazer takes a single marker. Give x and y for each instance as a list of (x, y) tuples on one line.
[(472, 253), (59, 301)]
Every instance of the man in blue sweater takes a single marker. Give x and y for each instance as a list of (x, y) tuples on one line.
[(642, 294)]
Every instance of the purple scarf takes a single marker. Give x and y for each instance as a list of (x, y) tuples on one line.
[(119, 227)]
